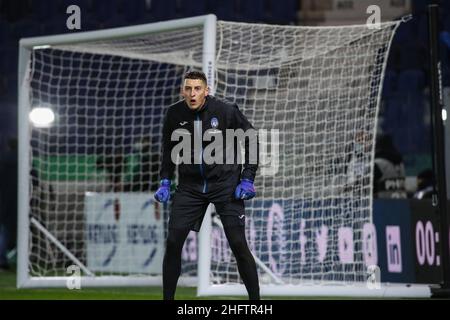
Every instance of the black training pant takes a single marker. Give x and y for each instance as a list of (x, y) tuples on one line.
[(238, 244), (188, 209)]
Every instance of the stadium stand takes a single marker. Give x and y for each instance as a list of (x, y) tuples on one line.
[(404, 111)]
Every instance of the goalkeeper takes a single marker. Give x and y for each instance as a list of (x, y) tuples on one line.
[(225, 185)]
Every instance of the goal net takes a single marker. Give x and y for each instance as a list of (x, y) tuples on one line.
[(316, 92), (87, 180)]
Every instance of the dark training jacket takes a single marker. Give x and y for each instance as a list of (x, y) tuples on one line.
[(216, 115)]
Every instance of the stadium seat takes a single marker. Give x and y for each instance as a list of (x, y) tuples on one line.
[(134, 11), (3, 87), (419, 6), (55, 27), (13, 10), (10, 127), (5, 32), (404, 111), (446, 75), (389, 83), (422, 29), (269, 11), (392, 113), (394, 56), (116, 21), (281, 14), (90, 23), (3, 60), (186, 9), (85, 5), (42, 11), (446, 22), (11, 86), (26, 28), (412, 55), (406, 32), (445, 59), (445, 7), (159, 10), (407, 132), (249, 11), (9, 60), (415, 117), (223, 9), (411, 84), (411, 80), (104, 10), (390, 120)]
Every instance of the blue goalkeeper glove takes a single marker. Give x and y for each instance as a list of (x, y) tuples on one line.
[(163, 192), (245, 190)]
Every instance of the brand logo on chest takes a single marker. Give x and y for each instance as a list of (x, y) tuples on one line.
[(214, 122)]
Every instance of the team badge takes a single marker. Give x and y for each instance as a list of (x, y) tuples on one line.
[(214, 123)]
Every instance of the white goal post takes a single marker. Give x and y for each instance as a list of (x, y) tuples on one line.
[(314, 90), (204, 24)]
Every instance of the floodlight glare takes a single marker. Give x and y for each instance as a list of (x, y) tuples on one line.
[(42, 117)]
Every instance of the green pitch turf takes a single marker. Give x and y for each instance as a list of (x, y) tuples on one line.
[(9, 291)]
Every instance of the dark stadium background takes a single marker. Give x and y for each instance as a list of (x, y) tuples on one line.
[(404, 110)]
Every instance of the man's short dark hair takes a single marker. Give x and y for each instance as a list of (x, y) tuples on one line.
[(196, 75)]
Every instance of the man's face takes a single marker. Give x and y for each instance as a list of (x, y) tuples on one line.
[(194, 92)]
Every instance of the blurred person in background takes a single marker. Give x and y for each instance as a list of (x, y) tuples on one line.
[(424, 185), (389, 171)]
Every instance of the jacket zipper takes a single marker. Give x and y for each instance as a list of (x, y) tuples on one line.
[(201, 155)]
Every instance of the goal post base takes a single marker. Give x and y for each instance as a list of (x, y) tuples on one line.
[(104, 281)]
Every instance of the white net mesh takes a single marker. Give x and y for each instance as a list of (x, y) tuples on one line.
[(109, 98), (319, 87)]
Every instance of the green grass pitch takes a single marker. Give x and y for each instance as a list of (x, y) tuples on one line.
[(9, 291)]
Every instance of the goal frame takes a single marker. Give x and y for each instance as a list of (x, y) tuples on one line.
[(26, 46), (202, 281), (312, 289)]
